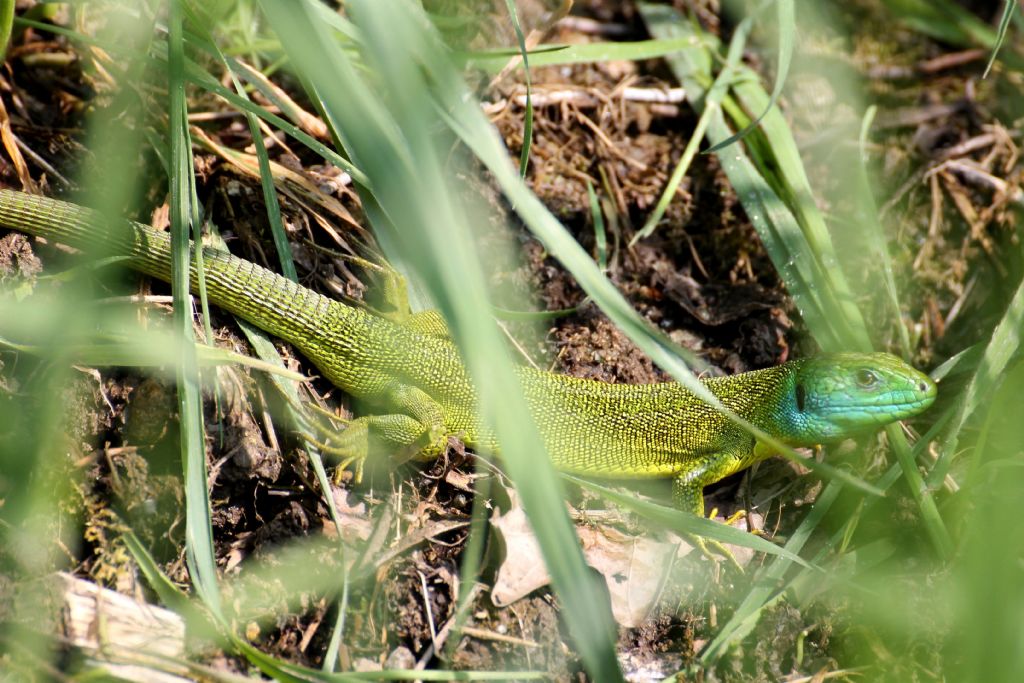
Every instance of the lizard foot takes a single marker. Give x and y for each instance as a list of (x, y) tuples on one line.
[(343, 440), (344, 457), (400, 437), (703, 544)]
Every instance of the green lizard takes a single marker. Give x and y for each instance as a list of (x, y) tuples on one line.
[(415, 377)]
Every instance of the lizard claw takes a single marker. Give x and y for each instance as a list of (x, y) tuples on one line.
[(703, 544)]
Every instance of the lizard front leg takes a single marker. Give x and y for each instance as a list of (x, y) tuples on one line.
[(393, 302), (703, 470), (688, 488), (416, 429)]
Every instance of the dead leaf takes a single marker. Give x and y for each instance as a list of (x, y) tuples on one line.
[(634, 567)]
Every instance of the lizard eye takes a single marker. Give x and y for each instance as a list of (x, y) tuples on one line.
[(865, 378)]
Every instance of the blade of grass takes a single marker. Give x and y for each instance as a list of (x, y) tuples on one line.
[(590, 53), (33, 495), (677, 177), (770, 584), (767, 582), (472, 560), (930, 516), (524, 155), (950, 22), (1001, 348), (1004, 26), (37, 486), (780, 231), (475, 131), (277, 231), (152, 350), (200, 624), (199, 550), (776, 157), (984, 581), (600, 238), (396, 147), (944, 20), (529, 316), (6, 24), (786, 20), (687, 523), (871, 227)]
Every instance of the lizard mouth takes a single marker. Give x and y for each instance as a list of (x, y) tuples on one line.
[(883, 409)]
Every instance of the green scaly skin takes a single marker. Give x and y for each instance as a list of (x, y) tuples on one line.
[(415, 377)]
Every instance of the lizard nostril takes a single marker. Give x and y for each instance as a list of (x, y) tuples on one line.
[(923, 387)]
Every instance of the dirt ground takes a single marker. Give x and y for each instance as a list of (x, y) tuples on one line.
[(703, 277)]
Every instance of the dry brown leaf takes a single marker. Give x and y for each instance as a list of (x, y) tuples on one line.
[(634, 567)]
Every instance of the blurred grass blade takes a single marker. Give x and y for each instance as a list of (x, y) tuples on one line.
[(770, 585), (766, 582), (6, 24), (199, 623), (587, 53), (524, 155), (930, 516), (392, 138), (871, 227), (944, 20), (1004, 25), (471, 126), (277, 231), (119, 50), (952, 23), (199, 550), (776, 157), (527, 316), (151, 350), (807, 278), (1001, 348), (600, 236), (685, 522), (786, 20), (985, 578)]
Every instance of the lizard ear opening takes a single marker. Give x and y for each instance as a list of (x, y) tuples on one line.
[(801, 395)]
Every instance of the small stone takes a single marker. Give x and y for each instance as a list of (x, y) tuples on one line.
[(401, 658)]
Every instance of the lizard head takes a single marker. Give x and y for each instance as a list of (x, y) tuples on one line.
[(834, 396)]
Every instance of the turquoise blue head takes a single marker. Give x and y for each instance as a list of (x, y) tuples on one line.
[(834, 396)]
